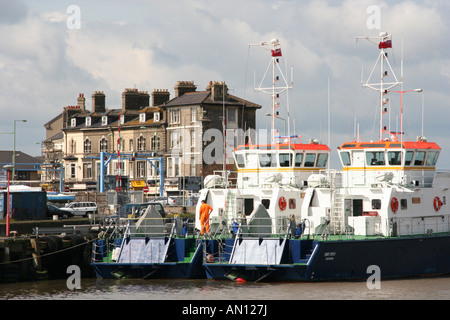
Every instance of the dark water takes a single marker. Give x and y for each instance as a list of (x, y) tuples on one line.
[(201, 290)]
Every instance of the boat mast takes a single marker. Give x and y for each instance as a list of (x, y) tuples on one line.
[(275, 90), (384, 41)]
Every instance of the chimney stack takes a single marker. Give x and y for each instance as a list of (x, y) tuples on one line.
[(219, 90), (132, 99), (183, 87), (81, 102), (98, 102), (160, 96)]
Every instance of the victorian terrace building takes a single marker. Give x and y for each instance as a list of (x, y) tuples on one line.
[(180, 131)]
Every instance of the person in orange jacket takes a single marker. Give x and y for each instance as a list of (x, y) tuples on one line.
[(205, 210)]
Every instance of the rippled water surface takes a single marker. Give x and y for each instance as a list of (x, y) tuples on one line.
[(107, 289)]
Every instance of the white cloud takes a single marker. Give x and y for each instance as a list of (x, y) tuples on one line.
[(151, 45)]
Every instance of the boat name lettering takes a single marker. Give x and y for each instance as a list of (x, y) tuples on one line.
[(329, 255)]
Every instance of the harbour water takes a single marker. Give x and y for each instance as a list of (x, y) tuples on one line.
[(201, 290)]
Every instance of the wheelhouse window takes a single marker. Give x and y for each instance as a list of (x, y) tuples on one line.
[(375, 158), (267, 160), (310, 159), (431, 158), (420, 158), (298, 159), (240, 160), (395, 158), (322, 160), (345, 158), (285, 159), (409, 157)]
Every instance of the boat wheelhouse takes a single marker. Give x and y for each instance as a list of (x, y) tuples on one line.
[(279, 164), (408, 164)]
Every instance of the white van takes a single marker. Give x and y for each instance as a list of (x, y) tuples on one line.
[(81, 208)]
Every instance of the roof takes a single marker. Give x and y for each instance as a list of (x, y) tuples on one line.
[(21, 158), (284, 146), (57, 136), (391, 144), (204, 97)]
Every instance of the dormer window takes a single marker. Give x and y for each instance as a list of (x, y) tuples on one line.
[(104, 120), (122, 119), (88, 121), (142, 117), (73, 122), (156, 116)]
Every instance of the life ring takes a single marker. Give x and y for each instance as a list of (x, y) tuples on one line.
[(282, 203), (394, 205), (437, 203)]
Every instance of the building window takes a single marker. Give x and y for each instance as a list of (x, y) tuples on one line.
[(174, 139), (141, 143), (193, 138), (140, 166), (156, 143), (169, 167), (156, 116), (175, 116), (73, 146), (193, 115), (142, 117), (173, 167), (153, 172), (231, 115), (131, 145), (87, 146), (103, 145), (116, 169), (121, 144), (88, 121), (87, 170), (193, 167), (73, 122), (104, 120), (23, 175), (73, 170)]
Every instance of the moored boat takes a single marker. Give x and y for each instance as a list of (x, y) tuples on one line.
[(148, 247), (385, 210)]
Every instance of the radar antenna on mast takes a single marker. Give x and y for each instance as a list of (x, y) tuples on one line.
[(279, 83), (384, 41)]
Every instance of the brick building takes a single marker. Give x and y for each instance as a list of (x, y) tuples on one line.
[(180, 130)]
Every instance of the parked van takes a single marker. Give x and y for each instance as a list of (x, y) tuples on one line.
[(81, 208)]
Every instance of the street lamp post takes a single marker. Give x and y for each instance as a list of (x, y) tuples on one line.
[(14, 150), (8, 168)]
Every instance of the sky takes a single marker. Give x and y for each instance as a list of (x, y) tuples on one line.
[(50, 51)]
